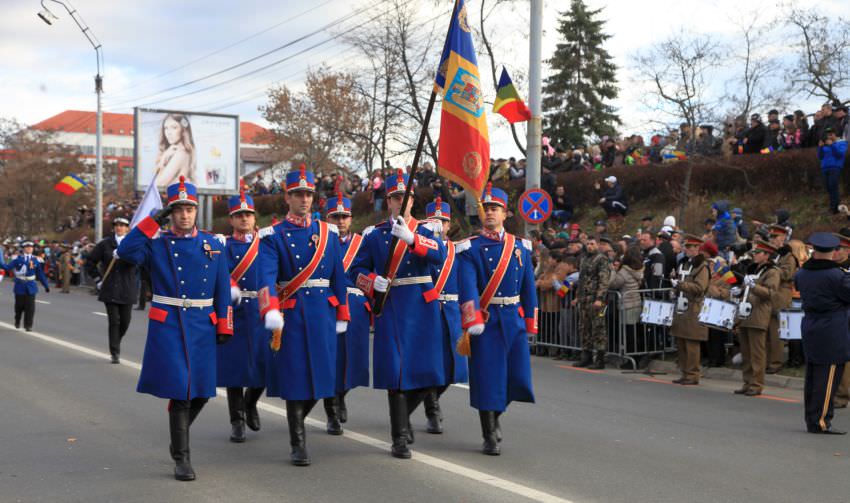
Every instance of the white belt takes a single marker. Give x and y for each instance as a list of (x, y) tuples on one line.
[(355, 291), (505, 301), (26, 278), (413, 280), (448, 297), (172, 301), (249, 294), (310, 283)]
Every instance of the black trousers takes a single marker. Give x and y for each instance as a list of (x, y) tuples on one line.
[(716, 347), (119, 320), (24, 305), (821, 385)]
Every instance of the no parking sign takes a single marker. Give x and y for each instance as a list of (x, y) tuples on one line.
[(535, 206)]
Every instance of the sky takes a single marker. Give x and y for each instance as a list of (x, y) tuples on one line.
[(153, 45)]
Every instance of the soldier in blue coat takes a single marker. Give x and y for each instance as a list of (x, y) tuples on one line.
[(241, 361), (499, 366), (302, 283), (352, 354), (825, 292), (407, 354), (27, 268), (446, 292), (190, 312)]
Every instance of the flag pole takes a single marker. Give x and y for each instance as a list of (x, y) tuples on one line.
[(381, 298)]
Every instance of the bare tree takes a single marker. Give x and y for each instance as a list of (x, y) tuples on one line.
[(822, 67)]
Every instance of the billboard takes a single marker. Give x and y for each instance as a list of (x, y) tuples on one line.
[(202, 147)]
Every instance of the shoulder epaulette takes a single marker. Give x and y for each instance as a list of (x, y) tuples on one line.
[(462, 245), (333, 228), (431, 226), (367, 230), (527, 244), (221, 238), (265, 231)]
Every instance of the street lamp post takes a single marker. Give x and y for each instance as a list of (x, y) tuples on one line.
[(48, 17)]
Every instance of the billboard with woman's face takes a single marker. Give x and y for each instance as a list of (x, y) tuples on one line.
[(203, 148)]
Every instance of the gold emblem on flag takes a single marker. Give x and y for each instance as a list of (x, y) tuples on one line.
[(472, 164), (462, 19)]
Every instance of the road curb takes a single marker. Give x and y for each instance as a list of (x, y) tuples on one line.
[(727, 374)]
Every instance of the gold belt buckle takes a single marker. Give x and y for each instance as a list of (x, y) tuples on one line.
[(187, 303)]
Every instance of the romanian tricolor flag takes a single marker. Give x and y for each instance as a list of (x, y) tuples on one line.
[(724, 273), (69, 185), (464, 155), (508, 103)]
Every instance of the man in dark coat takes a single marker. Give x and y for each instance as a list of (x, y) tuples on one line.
[(754, 136), (825, 292), (118, 290)]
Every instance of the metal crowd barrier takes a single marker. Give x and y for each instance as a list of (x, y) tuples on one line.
[(627, 341)]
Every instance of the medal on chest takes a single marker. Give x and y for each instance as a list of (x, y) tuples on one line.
[(518, 255), (209, 251)]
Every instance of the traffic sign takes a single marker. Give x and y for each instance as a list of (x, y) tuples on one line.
[(535, 206)]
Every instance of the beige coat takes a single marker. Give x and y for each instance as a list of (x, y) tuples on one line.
[(760, 295), (787, 269), (694, 286), (627, 282)]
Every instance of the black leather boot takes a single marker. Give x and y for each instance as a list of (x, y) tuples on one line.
[(236, 406), (398, 424), (296, 411), (598, 362), (178, 419), (195, 406), (252, 415), (488, 431), (343, 411), (334, 427), (498, 431), (412, 400), (586, 359), (433, 412)]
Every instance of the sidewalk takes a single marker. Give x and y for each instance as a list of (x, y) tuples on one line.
[(727, 374)]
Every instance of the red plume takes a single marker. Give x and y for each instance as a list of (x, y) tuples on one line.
[(182, 187), (489, 188), (438, 202), (241, 190), (303, 170)]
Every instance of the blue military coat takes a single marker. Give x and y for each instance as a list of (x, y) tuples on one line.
[(305, 366), (26, 274), (825, 291), (180, 360), (455, 365), (500, 366), (407, 351), (242, 359), (352, 357)]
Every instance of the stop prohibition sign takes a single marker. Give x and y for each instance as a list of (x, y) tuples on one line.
[(535, 206)]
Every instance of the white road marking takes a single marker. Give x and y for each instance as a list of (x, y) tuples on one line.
[(461, 386), (432, 461), (98, 313), (42, 302)]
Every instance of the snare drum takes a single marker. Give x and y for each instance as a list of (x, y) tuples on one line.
[(716, 313), (789, 324), (657, 312)]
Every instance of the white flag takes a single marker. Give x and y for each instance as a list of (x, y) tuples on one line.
[(150, 201)]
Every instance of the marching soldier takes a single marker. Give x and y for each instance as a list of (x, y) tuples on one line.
[(825, 292), (762, 283), (787, 264), (446, 292), (302, 283), (594, 275), (842, 258), (691, 283), (117, 287), (352, 356), (189, 315), (497, 267), (27, 268), (241, 361), (407, 355)]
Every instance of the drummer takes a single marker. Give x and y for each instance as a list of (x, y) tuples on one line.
[(825, 293), (718, 288), (690, 284)]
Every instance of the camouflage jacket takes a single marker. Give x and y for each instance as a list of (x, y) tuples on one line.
[(594, 275)]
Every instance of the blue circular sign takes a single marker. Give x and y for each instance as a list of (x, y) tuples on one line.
[(535, 206)]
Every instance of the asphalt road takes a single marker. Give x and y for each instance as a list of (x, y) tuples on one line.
[(72, 428)]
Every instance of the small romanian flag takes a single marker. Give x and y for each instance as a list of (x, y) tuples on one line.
[(70, 184), (564, 289), (508, 103), (725, 274)]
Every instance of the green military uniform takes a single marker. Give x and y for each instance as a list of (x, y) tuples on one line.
[(594, 275)]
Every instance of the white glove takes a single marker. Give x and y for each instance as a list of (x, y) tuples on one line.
[(235, 294), (735, 291), (476, 329), (556, 284), (99, 284), (749, 281), (341, 326), (115, 253), (1, 277), (274, 321), (381, 283), (401, 231), (674, 282)]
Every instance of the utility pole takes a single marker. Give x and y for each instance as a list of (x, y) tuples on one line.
[(535, 128)]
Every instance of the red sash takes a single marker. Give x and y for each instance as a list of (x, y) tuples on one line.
[(398, 253), (498, 274), (356, 241), (434, 293), (244, 264), (300, 278)]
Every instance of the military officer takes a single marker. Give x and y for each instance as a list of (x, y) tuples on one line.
[(302, 284), (190, 312), (787, 264), (825, 292), (499, 312), (691, 283), (241, 360), (762, 283), (446, 292), (27, 268), (594, 275), (842, 258), (407, 354), (352, 356)]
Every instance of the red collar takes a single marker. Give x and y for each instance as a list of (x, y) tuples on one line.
[(245, 238), (299, 221), (494, 235)]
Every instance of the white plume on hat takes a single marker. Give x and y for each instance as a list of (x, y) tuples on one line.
[(669, 221), (611, 179)]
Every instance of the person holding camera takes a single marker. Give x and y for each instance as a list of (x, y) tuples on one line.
[(831, 153)]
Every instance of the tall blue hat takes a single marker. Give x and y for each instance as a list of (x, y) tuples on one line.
[(182, 192), (396, 183), (438, 209), (493, 195), (339, 205), (242, 202), (300, 180)]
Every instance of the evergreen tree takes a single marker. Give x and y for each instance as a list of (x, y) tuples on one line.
[(583, 78)]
